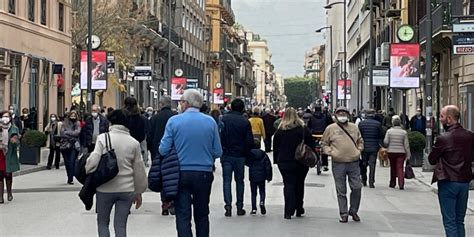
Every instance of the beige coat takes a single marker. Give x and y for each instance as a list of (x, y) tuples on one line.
[(339, 146)]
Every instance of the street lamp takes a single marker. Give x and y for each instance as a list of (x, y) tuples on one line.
[(344, 73), (330, 58)]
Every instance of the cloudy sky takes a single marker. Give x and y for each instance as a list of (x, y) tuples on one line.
[(287, 25)]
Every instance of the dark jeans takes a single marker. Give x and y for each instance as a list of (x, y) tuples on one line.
[(341, 172), (54, 153), (70, 156), (453, 197), (324, 160), (237, 165), (368, 159), (122, 203), (268, 142), (293, 174), (195, 190), (261, 188), (397, 160)]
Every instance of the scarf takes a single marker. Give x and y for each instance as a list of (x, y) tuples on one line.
[(5, 128)]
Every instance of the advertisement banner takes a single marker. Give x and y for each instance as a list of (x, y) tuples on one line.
[(405, 66), (98, 70), (341, 89), (178, 85), (218, 95)]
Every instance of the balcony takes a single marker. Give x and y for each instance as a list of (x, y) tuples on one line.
[(227, 12), (175, 38), (441, 20)]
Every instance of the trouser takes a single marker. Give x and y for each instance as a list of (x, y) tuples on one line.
[(294, 175), (268, 142), (105, 202), (261, 189), (368, 159), (453, 197), (237, 166), (324, 160), (54, 153), (144, 149), (195, 191), (8, 177), (70, 156), (397, 161), (341, 172)]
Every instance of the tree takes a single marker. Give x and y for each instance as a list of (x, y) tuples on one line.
[(300, 91)]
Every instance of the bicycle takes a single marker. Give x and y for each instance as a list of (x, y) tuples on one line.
[(318, 151)]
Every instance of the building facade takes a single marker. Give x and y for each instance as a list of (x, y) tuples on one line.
[(35, 45), (263, 69)]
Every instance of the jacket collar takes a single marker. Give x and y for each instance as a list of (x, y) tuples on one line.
[(165, 108), (191, 110), (119, 129), (454, 127)]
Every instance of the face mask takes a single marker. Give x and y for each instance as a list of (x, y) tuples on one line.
[(5, 120), (342, 119), (73, 119), (94, 114), (150, 113), (53, 119), (363, 116), (11, 111)]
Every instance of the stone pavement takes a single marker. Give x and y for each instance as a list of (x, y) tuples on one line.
[(44, 205)]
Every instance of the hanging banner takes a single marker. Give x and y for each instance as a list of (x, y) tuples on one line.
[(98, 71), (341, 89), (405, 66), (178, 85), (218, 95)]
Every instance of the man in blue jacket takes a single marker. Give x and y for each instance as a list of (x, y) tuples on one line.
[(237, 141), (195, 137), (372, 133)]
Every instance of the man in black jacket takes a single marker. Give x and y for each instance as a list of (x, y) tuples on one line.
[(155, 133), (237, 141), (317, 124), (372, 133), (95, 124), (268, 121)]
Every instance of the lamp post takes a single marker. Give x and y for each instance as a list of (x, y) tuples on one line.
[(344, 73), (89, 57), (169, 47), (330, 58), (371, 56)]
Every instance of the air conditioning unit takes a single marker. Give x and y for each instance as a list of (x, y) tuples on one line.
[(385, 53), (378, 61)]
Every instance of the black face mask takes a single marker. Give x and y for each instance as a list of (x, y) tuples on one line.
[(446, 127)]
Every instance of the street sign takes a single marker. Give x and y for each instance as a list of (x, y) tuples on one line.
[(463, 28), (380, 77), (192, 83), (463, 45), (142, 73)]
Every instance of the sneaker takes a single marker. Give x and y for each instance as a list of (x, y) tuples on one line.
[(240, 212), (300, 212), (165, 212), (228, 211), (172, 212), (253, 212), (263, 210), (325, 169)]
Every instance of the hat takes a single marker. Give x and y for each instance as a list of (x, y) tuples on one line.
[(342, 109)]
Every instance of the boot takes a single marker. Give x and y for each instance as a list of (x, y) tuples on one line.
[(1, 192), (9, 190)]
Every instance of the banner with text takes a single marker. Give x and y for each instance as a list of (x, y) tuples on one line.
[(98, 70), (178, 85), (405, 66)]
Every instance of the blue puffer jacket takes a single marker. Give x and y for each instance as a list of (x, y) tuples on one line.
[(164, 175), (260, 167), (372, 133)]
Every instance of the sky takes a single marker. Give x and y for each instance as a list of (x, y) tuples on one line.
[(287, 25)]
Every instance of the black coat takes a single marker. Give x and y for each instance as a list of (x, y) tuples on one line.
[(260, 167), (372, 133), (423, 124), (286, 141), (137, 126), (236, 135), (268, 121), (319, 122), (157, 129), (88, 130)]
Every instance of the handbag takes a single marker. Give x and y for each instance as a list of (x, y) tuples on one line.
[(304, 154), (107, 168), (409, 174)]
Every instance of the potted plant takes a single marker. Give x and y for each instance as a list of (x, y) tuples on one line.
[(30, 147), (417, 145)]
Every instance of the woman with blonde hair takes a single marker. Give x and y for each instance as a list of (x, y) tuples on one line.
[(290, 133)]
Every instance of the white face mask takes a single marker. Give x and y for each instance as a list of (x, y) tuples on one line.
[(53, 119), (94, 114), (342, 119), (5, 120)]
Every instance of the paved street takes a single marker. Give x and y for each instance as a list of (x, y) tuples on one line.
[(45, 206)]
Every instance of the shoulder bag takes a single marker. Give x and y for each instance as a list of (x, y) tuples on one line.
[(107, 168), (349, 135), (304, 154)]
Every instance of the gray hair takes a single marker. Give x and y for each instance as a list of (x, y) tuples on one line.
[(396, 120), (165, 101), (193, 98)]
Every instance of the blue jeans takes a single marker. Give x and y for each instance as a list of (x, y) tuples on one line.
[(261, 189), (122, 203), (453, 198), (195, 190), (70, 157), (237, 165)]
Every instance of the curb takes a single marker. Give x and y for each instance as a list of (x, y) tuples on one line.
[(35, 169), (433, 189)]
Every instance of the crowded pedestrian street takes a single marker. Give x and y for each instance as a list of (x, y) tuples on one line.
[(46, 206)]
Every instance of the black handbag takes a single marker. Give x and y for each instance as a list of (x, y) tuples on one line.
[(409, 174), (305, 155), (107, 168)]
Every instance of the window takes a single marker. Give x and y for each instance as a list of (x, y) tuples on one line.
[(11, 6), (31, 10), (43, 12), (471, 7), (61, 17), (34, 79)]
